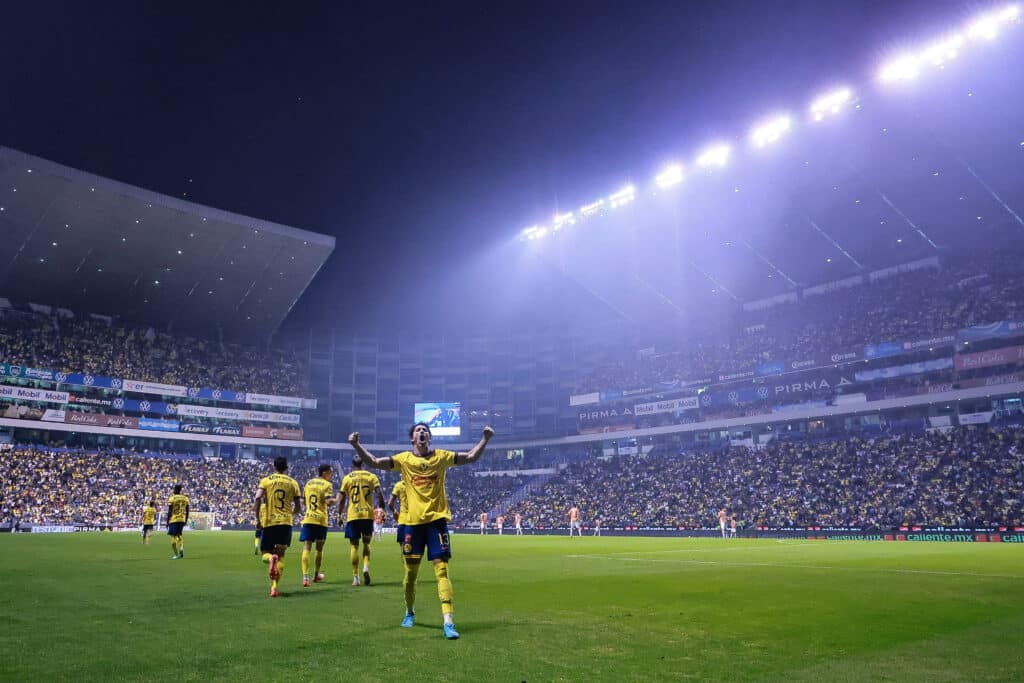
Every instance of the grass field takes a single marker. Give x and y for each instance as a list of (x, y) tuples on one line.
[(91, 607)]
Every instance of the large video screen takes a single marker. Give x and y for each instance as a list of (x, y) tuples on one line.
[(444, 418)]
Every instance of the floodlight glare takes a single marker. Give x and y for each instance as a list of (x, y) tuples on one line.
[(904, 68), (669, 176), (831, 102), (1009, 14), (770, 131), (534, 232), (940, 52), (984, 27), (592, 208), (716, 155), (562, 219), (623, 196)]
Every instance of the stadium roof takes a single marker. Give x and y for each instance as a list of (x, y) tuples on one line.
[(91, 244)]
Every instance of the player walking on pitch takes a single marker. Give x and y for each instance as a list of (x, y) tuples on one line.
[(148, 521), (500, 523), (177, 518), (280, 493), (732, 526), (423, 470), (357, 488), (319, 495), (574, 521), (378, 523), (483, 523), (519, 524), (721, 520)]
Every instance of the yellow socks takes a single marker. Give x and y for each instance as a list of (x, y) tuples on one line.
[(412, 569), (305, 563), (366, 557), (353, 555), (319, 559), (444, 587), (174, 544), (266, 558)]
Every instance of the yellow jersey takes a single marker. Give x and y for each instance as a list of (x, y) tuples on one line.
[(403, 503), (177, 508), (359, 486), (424, 480), (149, 515), (281, 491), (316, 493)]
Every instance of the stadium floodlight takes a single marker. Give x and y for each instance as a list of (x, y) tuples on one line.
[(561, 220), (592, 208), (771, 130), (715, 155), (830, 103), (669, 176), (984, 27), (1009, 14), (903, 68), (940, 52), (623, 196), (534, 232)]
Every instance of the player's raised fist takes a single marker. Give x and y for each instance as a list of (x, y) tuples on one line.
[(353, 438), (488, 432)]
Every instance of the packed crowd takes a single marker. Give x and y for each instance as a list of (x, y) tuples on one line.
[(966, 477), (113, 350), (42, 485), (907, 306), (962, 478)]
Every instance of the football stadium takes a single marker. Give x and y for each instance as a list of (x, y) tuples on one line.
[(740, 404)]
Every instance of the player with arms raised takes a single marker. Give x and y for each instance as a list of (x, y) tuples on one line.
[(280, 493), (319, 496), (423, 471), (358, 488)]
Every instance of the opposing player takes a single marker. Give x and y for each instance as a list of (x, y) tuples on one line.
[(732, 526), (398, 495), (500, 524), (378, 522), (148, 521), (423, 470), (483, 523), (597, 526), (280, 494), (574, 521), (319, 496), (721, 520), (519, 524), (357, 489), (177, 518)]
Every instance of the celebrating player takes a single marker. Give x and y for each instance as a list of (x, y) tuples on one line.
[(280, 493), (177, 518), (423, 471), (357, 488), (148, 521), (318, 494)]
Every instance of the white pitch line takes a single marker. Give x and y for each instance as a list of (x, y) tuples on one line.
[(800, 566)]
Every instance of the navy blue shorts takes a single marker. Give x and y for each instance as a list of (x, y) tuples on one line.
[(273, 536), (313, 532), (175, 528), (147, 527), (358, 528), (432, 536), (259, 532), (401, 533)]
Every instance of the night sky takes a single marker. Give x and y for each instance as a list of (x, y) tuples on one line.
[(421, 136)]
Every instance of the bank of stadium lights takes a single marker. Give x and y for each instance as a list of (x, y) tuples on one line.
[(831, 103), (769, 131), (622, 197), (714, 156), (562, 220), (670, 175), (592, 208), (534, 232)]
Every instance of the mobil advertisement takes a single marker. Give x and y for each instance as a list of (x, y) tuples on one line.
[(674, 405)]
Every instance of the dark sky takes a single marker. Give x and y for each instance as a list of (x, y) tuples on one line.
[(421, 135)]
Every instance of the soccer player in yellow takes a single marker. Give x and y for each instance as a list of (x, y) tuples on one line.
[(319, 495), (148, 521), (262, 516), (423, 471), (358, 488), (177, 518), (398, 494), (280, 493)]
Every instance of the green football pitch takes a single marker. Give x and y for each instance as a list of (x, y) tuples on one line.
[(102, 607)]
